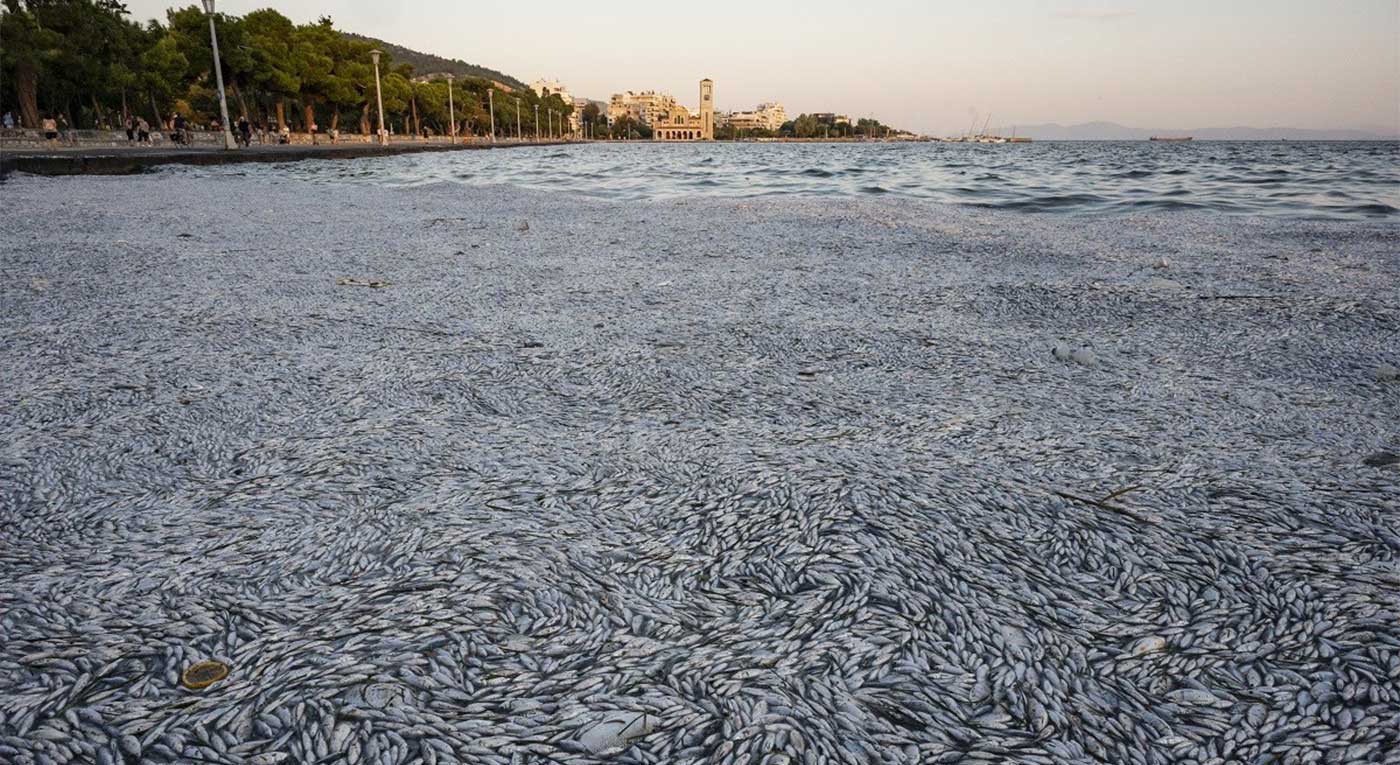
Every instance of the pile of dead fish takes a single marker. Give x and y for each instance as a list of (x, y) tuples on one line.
[(689, 482)]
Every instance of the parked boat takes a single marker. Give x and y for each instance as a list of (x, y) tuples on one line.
[(1178, 139)]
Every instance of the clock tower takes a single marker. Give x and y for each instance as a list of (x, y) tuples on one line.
[(707, 110)]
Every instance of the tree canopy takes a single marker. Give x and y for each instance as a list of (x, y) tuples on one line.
[(88, 61)]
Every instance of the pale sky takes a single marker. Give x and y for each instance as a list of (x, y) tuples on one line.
[(929, 65)]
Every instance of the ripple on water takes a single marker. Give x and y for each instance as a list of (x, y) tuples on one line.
[(1296, 179)]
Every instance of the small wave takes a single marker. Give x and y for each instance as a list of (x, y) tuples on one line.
[(1164, 204), (1051, 203), (1376, 209), (1336, 181)]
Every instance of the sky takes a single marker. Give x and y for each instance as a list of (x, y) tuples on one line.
[(930, 65)]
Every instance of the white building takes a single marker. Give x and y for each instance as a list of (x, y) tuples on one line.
[(768, 116), (545, 88), (647, 107)]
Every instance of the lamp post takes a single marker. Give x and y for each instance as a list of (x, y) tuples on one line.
[(536, 126), (379, 97), (219, 75), (451, 111), (491, 102), (517, 119)]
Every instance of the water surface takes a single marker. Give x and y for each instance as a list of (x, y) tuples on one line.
[(1308, 179)]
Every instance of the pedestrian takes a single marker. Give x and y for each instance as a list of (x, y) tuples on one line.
[(143, 130), (130, 130), (245, 131), (335, 135), (62, 127), (9, 121), (50, 126), (312, 128), (177, 128)]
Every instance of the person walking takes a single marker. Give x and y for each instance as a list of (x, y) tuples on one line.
[(143, 130), (50, 126), (245, 131), (177, 127), (130, 130), (62, 127), (9, 121)]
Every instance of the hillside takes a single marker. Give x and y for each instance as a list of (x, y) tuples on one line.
[(427, 63), (1112, 131)]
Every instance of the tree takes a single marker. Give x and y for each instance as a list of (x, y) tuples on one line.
[(396, 96), (238, 58), (28, 48), (313, 65), (87, 60), (270, 38), (591, 117), (162, 66), (432, 105)]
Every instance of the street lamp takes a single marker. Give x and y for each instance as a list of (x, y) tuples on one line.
[(451, 112), (379, 97), (219, 75), (517, 119), (491, 101), (537, 122)]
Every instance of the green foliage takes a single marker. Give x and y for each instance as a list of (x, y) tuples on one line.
[(162, 68), (270, 38), (627, 127), (86, 59), (66, 57), (811, 127)]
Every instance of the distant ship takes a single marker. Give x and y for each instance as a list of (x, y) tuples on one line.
[(1171, 140)]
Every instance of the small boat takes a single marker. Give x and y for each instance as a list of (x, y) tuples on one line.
[(1179, 139)]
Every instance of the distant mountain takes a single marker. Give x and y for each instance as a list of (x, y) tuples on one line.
[(427, 63), (1112, 131)]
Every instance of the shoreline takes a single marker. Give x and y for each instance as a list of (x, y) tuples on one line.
[(134, 160)]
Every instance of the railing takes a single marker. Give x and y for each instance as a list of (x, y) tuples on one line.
[(34, 138), (27, 138)]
